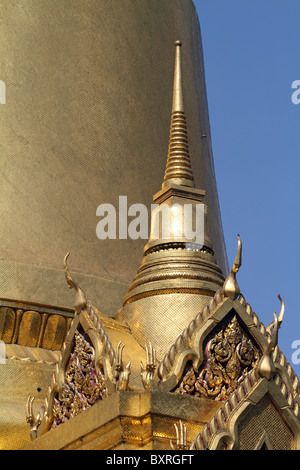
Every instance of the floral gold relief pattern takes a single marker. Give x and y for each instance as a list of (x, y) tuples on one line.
[(83, 386), (229, 356)]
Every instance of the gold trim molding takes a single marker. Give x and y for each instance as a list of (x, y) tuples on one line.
[(33, 326), (144, 295)]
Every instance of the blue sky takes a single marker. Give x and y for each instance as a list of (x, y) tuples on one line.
[(251, 53)]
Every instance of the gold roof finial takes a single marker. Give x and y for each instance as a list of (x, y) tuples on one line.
[(266, 366), (178, 170), (231, 288), (80, 299)]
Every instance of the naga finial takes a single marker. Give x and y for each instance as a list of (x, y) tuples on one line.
[(281, 313), (31, 419), (121, 372), (181, 437), (266, 367), (147, 373), (231, 288), (80, 299)]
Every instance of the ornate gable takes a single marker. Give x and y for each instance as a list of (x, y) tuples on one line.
[(224, 333), (223, 343), (229, 355), (259, 414), (89, 368), (84, 384)]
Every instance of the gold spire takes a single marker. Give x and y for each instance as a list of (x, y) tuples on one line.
[(178, 170), (178, 266)]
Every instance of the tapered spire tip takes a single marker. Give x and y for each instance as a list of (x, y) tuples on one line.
[(178, 169), (177, 92)]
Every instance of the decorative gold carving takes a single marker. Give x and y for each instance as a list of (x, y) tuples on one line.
[(287, 372), (181, 437), (121, 372), (231, 288), (184, 345), (281, 313), (80, 299), (280, 316), (86, 372), (31, 328), (147, 373), (7, 323), (84, 385), (189, 345), (266, 366), (18, 313), (31, 419), (230, 355), (44, 318), (112, 362)]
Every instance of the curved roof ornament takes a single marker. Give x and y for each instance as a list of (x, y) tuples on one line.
[(231, 288), (281, 313), (80, 299), (266, 367)]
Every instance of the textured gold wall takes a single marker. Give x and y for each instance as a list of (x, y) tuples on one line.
[(265, 419), (86, 119), (18, 379)]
